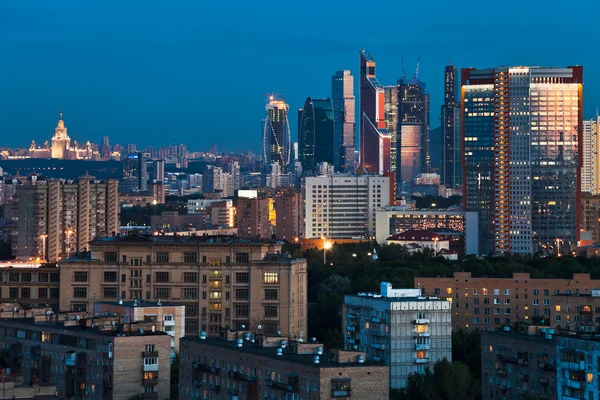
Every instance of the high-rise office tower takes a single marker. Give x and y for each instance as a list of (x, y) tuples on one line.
[(522, 135), (135, 173), (131, 148), (276, 133), (105, 149), (315, 133), (412, 129), (590, 172), (391, 122), (450, 118), (374, 137), (342, 96), (58, 219)]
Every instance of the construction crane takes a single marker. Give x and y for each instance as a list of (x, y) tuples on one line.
[(403, 70), (417, 68), (272, 96)]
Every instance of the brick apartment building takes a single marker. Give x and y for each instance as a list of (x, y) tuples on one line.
[(222, 281), (85, 361), (489, 303), (29, 283), (246, 366)]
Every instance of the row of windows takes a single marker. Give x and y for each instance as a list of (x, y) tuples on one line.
[(164, 256), (188, 277), (26, 277)]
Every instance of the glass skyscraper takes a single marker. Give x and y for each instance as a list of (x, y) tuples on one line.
[(522, 131), (342, 96), (451, 173), (276, 133), (374, 137), (316, 133)]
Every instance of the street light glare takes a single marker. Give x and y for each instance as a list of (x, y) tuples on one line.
[(328, 245)]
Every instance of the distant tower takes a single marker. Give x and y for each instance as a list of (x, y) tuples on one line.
[(315, 133), (276, 133), (60, 141), (105, 149), (342, 96), (451, 171), (374, 137)]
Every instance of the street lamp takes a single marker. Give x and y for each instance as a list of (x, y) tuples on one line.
[(326, 246), (69, 232), (44, 237), (435, 240)]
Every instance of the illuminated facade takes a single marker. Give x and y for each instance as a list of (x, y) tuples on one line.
[(450, 117), (374, 137), (590, 172), (276, 133), (522, 129), (412, 129), (315, 133), (391, 122), (61, 147), (342, 93)]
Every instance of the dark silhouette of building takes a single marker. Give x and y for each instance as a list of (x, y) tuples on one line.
[(451, 172), (315, 133)]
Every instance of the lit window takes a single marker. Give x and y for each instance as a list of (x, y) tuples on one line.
[(271, 277)]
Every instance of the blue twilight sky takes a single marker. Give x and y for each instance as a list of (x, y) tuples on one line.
[(195, 71)]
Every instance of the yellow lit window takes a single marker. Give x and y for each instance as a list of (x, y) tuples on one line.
[(557, 308), (449, 290), (421, 354), (271, 277), (421, 328), (590, 378)]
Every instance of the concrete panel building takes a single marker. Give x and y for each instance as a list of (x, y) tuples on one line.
[(245, 366), (222, 281), (401, 327), (29, 283)]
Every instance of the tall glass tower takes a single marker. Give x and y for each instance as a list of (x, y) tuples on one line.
[(344, 123), (276, 133), (316, 133), (451, 173), (523, 133)]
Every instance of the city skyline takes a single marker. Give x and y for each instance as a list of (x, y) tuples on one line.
[(147, 79)]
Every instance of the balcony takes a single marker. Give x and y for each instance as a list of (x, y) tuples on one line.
[(351, 328), (169, 323), (422, 334), (421, 321), (81, 359), (543, 380), (341, 393), (36, 352), (207, 368), (150, 367), (153, 354), (421, 360), (282, 386), (71, 359), (501, 371), (573, 365), (423, 347), (378, 346), (198, 382), (547, 366), (150, 396), (377, 332), (150, 382), (505, 358), (241, 377), (350, 315), (524, 377)]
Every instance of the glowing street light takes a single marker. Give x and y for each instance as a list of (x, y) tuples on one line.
[(326, 246), (69, 232), (435, 240)]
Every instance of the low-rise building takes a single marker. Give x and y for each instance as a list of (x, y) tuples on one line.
[(85, 360), (401, 327), (29, 283), (418, 240), (490, 303), (244, 365)]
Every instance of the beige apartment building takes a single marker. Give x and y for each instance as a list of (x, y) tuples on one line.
[(58, 219), (489, 303), (29, 283), (222, 281)]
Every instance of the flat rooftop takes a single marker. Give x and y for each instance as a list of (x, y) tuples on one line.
[(214, 239), (137, 304), (271, 352)]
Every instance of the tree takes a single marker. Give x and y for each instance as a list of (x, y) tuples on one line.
[(174, 392)]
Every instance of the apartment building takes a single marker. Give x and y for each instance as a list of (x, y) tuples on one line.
[(85, 362), (490, 303), (222, 281), (576, 312), (29, 283), (289, 207), (57, 219), (343, 206), (244, 365), (590, 215), (515, 363), (401, 327), (578, 369)]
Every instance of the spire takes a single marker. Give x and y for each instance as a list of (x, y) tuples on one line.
[(60, 116)]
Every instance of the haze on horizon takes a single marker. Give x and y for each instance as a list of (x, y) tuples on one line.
[(155, 73)]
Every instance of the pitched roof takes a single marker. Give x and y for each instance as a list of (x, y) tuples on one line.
[(414, 234)]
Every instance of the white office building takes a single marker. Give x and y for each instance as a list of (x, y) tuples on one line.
[(407, 331), (344, 205)]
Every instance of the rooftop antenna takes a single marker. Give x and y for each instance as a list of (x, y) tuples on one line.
[(449, 61), (417, 68)]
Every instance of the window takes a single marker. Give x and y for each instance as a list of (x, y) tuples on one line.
[(26, 277), (271, 277), (241, 310), (242, 257), (546, 292), (42, 293), (506, 301), (161, 277), (507, 311), (270, 294), (496, 292), (475, 292), (241, 294), (341, 388), (204, 279), (79, 292), (25, 293), (190, 257), (124, 259), (242, 277), (190, 277), (189, 293), (496, 301), (135, 262), (80, 276), (536, 302), (204, 311), (13, 292), (191, 310), (110, 256), (204, 295), (110, 292), (546, 302), (43, 277), (162, 292), (162, 256), (507, 292), (476, 300), (270, 311), (110, 276), (475, 320), (150, 360), (485, 291), (54, 293), (536, 292)]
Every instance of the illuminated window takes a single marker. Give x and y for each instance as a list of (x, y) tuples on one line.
[(421, 328), (271, 277), (557, 308), (449, 291)]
